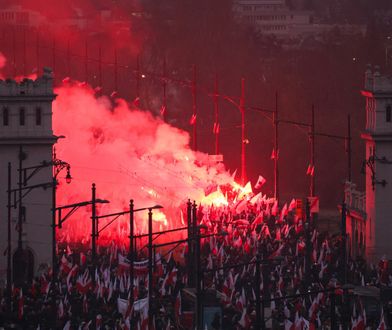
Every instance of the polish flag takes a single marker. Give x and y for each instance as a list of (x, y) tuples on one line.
[(178, 305), (292, 205), (192, 121), (382, 325), (163, 110), (260, 182), (275, 155), (245, 321), (310, 170), (82, 259), (216, 128), (65, 266)]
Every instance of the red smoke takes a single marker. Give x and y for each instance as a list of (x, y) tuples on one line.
[(128, 153)]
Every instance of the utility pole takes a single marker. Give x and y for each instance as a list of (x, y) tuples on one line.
[(150, 272), (194, 108), (9, 271), (24, 52), (20, 209), (312, 154), (69, 59), (244, 140), (54, 254), (216, 110), (349, 148), (93, 231), (100, 66), (115, 71), (138, 77), (54, 55), (164, 86), (276, 149), (37, 52), (198, 269), (308, 245), (14, 50), (190, 244), (131, 249), (86, 62), (344, 242)]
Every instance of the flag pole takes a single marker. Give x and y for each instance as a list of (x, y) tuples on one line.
[(276, 149), (312, 154), (243, 136)]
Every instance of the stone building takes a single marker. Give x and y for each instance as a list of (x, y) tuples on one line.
[(26, 141), (378, 163)]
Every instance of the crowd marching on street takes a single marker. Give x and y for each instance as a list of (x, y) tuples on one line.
[(302, 274)]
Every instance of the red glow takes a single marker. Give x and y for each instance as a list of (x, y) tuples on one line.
[(128, 154)]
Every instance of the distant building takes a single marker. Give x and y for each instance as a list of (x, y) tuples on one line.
[(19, 17), (274, 17), (26, 140)]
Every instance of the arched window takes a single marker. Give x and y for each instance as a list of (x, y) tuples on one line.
[(5, 117), (38, 116), (22, 116), (388, 114)]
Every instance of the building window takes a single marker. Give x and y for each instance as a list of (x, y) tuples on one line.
[(388, 114), (38, 116), (5, 117), (22, 116)]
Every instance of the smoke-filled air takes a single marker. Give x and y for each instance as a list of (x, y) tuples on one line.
[(128, 154)]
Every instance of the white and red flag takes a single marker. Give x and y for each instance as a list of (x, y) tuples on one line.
[(260, 182), (192, 121), (310, 170)]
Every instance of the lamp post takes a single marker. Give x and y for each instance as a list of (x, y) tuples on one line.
[(58, 166), (132, 237), (308, 243), (276, 149), (150, 260), (244, 140), (25, 174), (9, 286)]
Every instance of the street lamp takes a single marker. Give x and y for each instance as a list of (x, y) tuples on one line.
[(68, 177), (58, 166), (131, 212)]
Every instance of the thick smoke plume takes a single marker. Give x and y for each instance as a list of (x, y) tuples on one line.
[(128, 153)]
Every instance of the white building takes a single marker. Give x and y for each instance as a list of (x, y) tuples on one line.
[(378, 142), (26, 125), (273, 17)]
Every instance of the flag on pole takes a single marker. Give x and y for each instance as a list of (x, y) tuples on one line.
[(382, 325), (314, 204), (275, 154), (163, 110), (216, 128), (310, 170), (192, 121), (260, 182)]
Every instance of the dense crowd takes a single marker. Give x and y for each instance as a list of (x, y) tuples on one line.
[(301, 275)]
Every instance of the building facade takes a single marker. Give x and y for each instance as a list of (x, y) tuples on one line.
[(378, 163), (356, 219), (273, 17), (26, 141)]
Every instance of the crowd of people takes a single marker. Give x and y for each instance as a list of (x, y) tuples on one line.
[(302, 272)]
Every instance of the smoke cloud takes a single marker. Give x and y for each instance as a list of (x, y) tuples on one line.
[(128, 153)]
